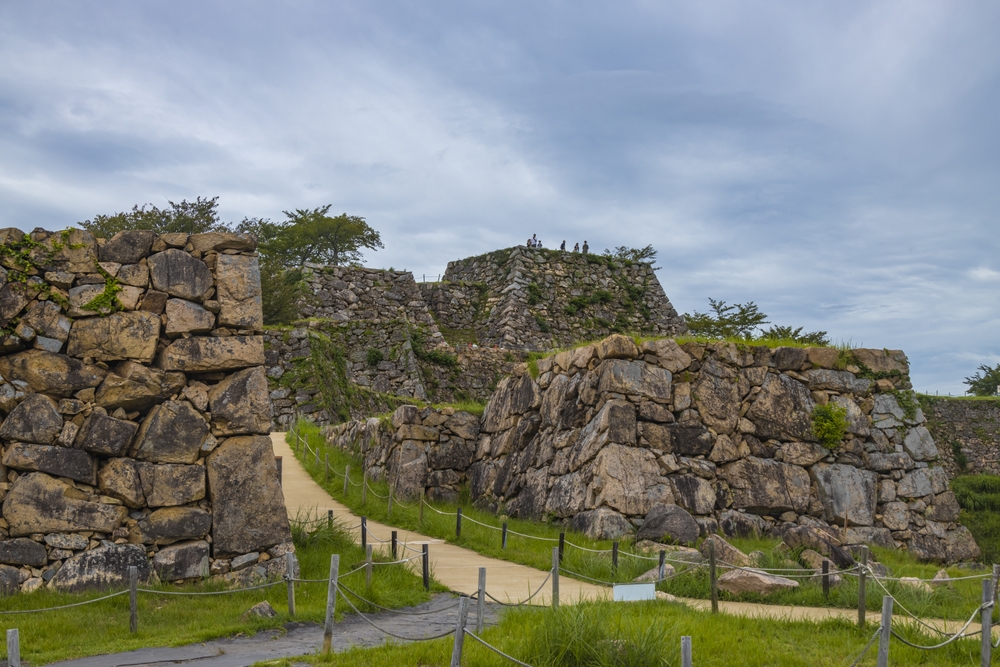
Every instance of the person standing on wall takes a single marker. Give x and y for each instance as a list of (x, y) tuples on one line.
[(562, 246), (576, 247), (586, 248)]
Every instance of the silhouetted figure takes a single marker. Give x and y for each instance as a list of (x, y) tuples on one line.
[(562, 246), (586, 248), (528, 244), (576, 247)]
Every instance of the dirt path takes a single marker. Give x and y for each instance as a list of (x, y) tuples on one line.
[(457, 568), (453, 566)]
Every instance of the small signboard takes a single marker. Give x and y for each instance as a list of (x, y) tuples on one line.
[(634, 592)]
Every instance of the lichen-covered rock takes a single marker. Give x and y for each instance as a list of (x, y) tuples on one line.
[(22, 551), (173, 432), (694, 494), (634, 378), (205, 354), (238, 282), (105, 435), (668, 523), (132, 386), (219, 241), (38, 503), (724, 552), (614, 423), (36, 419), (758, 582), (717, 396), (627, 479), (767, 486), (247, 504), (179, 274), (187, 560), (119, 478), (919, 444), (783, 409), (47, 319), (922, 482), (240, 404), (741, 524), (10, 580), (690, 440), (513, 397), (846, 493), (168, 485), (102, 568), (187, 317), (48, 373), (601, 524), (172, 524), (128, 246), (52, 459), (126, 335)]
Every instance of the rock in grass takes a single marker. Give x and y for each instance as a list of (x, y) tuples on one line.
[(654, 574), (259, 610), (754, 581), (916, 584)]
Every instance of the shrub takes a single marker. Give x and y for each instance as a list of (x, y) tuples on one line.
[(829, 424), (534, 294), (374, 357), (977, 492)]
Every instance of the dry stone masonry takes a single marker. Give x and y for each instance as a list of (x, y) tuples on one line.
[(135, 411), (967, 431)]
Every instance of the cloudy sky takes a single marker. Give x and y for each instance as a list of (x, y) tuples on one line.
[(838, 162)]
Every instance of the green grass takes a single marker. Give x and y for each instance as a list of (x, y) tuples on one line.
[(945, 602), (642, 634), (979, 497), (173, 620)]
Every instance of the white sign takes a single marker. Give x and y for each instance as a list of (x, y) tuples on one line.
[(634, 592)]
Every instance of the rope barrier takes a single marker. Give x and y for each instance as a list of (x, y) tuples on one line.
[(495, 649), (524, 601), (65, 606), (959, 635), (871, 641), (227, 592), (397, 611), (907, 611), (387, 632)]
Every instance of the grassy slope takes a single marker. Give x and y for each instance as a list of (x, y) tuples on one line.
[(648, 634), (945, 602), (171, 620)]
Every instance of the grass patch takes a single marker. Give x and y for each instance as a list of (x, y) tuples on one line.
[(829, 424), (174, 620), (979, 497), (954, 602), (648, 634), (453, 336)]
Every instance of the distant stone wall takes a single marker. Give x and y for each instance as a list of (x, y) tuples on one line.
[(967, 426), (425, 449), (611, 430), (539, 299), (135, 412)]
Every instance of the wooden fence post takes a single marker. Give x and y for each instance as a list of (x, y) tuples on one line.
[(712, 577), (395, 542), (331, 603), (685, 651), (886, 634), (862, 587), (663, 565), (458, 523), (503, 536), (290, 578), (368, 567), (426, 562), (614, 557), (364, 532), (347, 476), (986, 620), (481, 600), (562, 545), (555, 577), (133, 599), (13, 648), (456, 651), (329, 519), (390, 501), (826, 578)]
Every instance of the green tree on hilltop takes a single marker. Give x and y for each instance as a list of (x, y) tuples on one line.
[(745, 321), (314, 236), (984, 382), (187, 217)]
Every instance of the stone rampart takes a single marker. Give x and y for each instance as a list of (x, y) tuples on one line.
[(967, 431), (540, 299), (135, 411)]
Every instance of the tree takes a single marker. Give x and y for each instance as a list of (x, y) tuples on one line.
[(626, 254), (746, 321), (985, 381), (189, 217), (314, 236)]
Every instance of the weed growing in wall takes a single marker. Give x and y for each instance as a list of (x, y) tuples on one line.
[(829, 424), (374, 357)]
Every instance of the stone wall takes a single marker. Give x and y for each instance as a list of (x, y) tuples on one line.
[(135, 411), (966, 426), (540, 299), (425, 449), (608, 431)]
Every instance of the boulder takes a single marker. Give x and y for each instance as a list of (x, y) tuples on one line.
[(134, 275), (693, 493), (132, 386), (724, 552), (69, 541), (823, 542), (173, 432), (73, 250), (765, 486), (106, 435), (119, 478), (895, 516), (690, 440), (782, 409), (187, 317), (919, 443), (601, 524), (870, 535), (48, 373), (728, 449), (464, 424), (922, 482), (172, 524), (634, 378), (106, 567), (10, 580), (567, 496), (857, 421), (513, 396), (417, 432), (757, 582), (617, 346), (959, 545), (654, 575), (46, 319), (127, 247), (206, 354), (14, 296), (259, 610), (741, 524), (823, 357), (22, 551), (886, 462), (717, 396), (668, 523), (803, 453), (790, 358), (614, 423), (237, 279), (454, 455), (846, 492), (842, 381), (179, 274), (405, 414), (670, 355), (127, 335), (59, 461), (945, 508), (222, 241), (240, 404), (247, 502), (38, 503), (36, 419), (627, 479), (168, 485), (882, 361), (916, 584)]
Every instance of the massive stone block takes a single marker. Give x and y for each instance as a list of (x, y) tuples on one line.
[(765, 486), (513, 397), (783, 409), (46, 319), (119, 478), (127, 247), (179, 274), (168, 485), (204, 354), (187, 317), (38, 503), (173, 432), (172, 524), (237, 278), (188, 560), (102, 568), (241, 404), (627, 479), (635, 378), (106, 435), (22, 551), (36, 420), (128, 335), (52, 374), (717, 396), (60, 461), (132, 386), (247, 503), (846, 491), (614, 423)]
